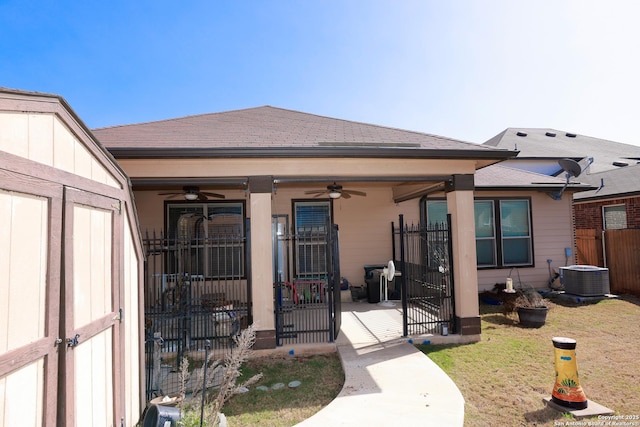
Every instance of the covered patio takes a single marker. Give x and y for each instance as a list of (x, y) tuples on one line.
[(276, 166)]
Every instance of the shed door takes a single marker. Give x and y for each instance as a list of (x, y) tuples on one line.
[(30, 233), (93, 368)]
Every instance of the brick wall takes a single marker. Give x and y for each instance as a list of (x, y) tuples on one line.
[(589, 215)]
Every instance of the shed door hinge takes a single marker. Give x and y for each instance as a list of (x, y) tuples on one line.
[(120, 315), (117, 206)]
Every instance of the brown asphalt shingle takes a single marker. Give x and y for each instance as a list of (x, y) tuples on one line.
[(268, 126)]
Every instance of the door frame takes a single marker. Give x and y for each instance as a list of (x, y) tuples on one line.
[(112, 319)]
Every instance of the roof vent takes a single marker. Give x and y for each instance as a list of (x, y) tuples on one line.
[(620, 164), (521, 134), (551, 134), (571, 135)]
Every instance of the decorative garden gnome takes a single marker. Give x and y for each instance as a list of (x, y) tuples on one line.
[(567, 391)]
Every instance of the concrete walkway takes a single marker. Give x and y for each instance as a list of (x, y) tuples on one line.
[(388, 382)]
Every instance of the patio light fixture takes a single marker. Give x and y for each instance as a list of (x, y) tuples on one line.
[(335, 194), (191, 196)]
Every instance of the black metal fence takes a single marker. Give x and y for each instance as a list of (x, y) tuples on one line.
[(307, 287), (423, 255), (196, 293)]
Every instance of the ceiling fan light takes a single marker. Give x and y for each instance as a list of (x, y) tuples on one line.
[(335, 194), (190, 196)]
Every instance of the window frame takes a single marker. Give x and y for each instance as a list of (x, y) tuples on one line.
[(498, 230), (495, 238), (604, 218), (208, 250), (297, 244), (529, 237)]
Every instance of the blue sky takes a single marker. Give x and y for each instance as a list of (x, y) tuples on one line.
[(463, 69)]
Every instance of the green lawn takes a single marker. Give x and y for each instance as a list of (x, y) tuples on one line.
[(505, 376)]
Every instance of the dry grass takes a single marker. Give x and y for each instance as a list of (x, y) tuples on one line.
[(321, 377), (504, 377)]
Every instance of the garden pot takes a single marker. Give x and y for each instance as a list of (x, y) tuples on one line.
[(532, 317)]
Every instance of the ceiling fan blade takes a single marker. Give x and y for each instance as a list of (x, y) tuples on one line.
[(202, 197), (355, 193), (319, 194), (214, 195), (171, 195), (315, 192), (345, 195)]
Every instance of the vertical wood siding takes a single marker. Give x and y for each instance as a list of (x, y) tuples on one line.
[(622, 249), (46, 154), (43, 138)]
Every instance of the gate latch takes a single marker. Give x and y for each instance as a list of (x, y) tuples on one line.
[(72, 342)]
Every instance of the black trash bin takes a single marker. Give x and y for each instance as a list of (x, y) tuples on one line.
[(372, 281), (161, 416)]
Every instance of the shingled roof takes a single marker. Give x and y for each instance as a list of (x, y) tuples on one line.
[(540, 143), (621, 182), (499, 177), (276, 128)]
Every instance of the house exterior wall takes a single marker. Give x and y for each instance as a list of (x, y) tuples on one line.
[(588, 214), (364, 222), (552, 233), (542, 166), (364, 225), (295, 167)]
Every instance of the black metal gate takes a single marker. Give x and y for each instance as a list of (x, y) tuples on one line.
[(307, 308), (197, 295), (423, 256)]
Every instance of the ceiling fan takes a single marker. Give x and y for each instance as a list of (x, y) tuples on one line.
[(336, 191), (191, 192)]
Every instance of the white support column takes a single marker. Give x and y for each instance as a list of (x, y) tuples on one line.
[(465, 271), (261, 261)]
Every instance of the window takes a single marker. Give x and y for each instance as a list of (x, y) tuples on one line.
[(614, 217), (207, 238), (436, 212), (485, 232), (312, 220), (503, 230), (516, 232)]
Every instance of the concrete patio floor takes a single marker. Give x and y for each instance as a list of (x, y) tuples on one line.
[(387, 380)]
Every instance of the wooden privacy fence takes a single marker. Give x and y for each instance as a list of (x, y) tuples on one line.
[(622, 248), (620, 253), (589, 247)]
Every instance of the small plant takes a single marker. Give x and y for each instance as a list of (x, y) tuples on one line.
[(530, 299), (221, 376)]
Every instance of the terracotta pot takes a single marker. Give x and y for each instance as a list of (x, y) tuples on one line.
[(532, 317)]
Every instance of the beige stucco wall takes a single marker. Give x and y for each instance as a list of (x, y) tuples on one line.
[(463, 251), (286, 167)]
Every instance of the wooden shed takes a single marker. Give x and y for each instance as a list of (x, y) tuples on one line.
[(71, 326)]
